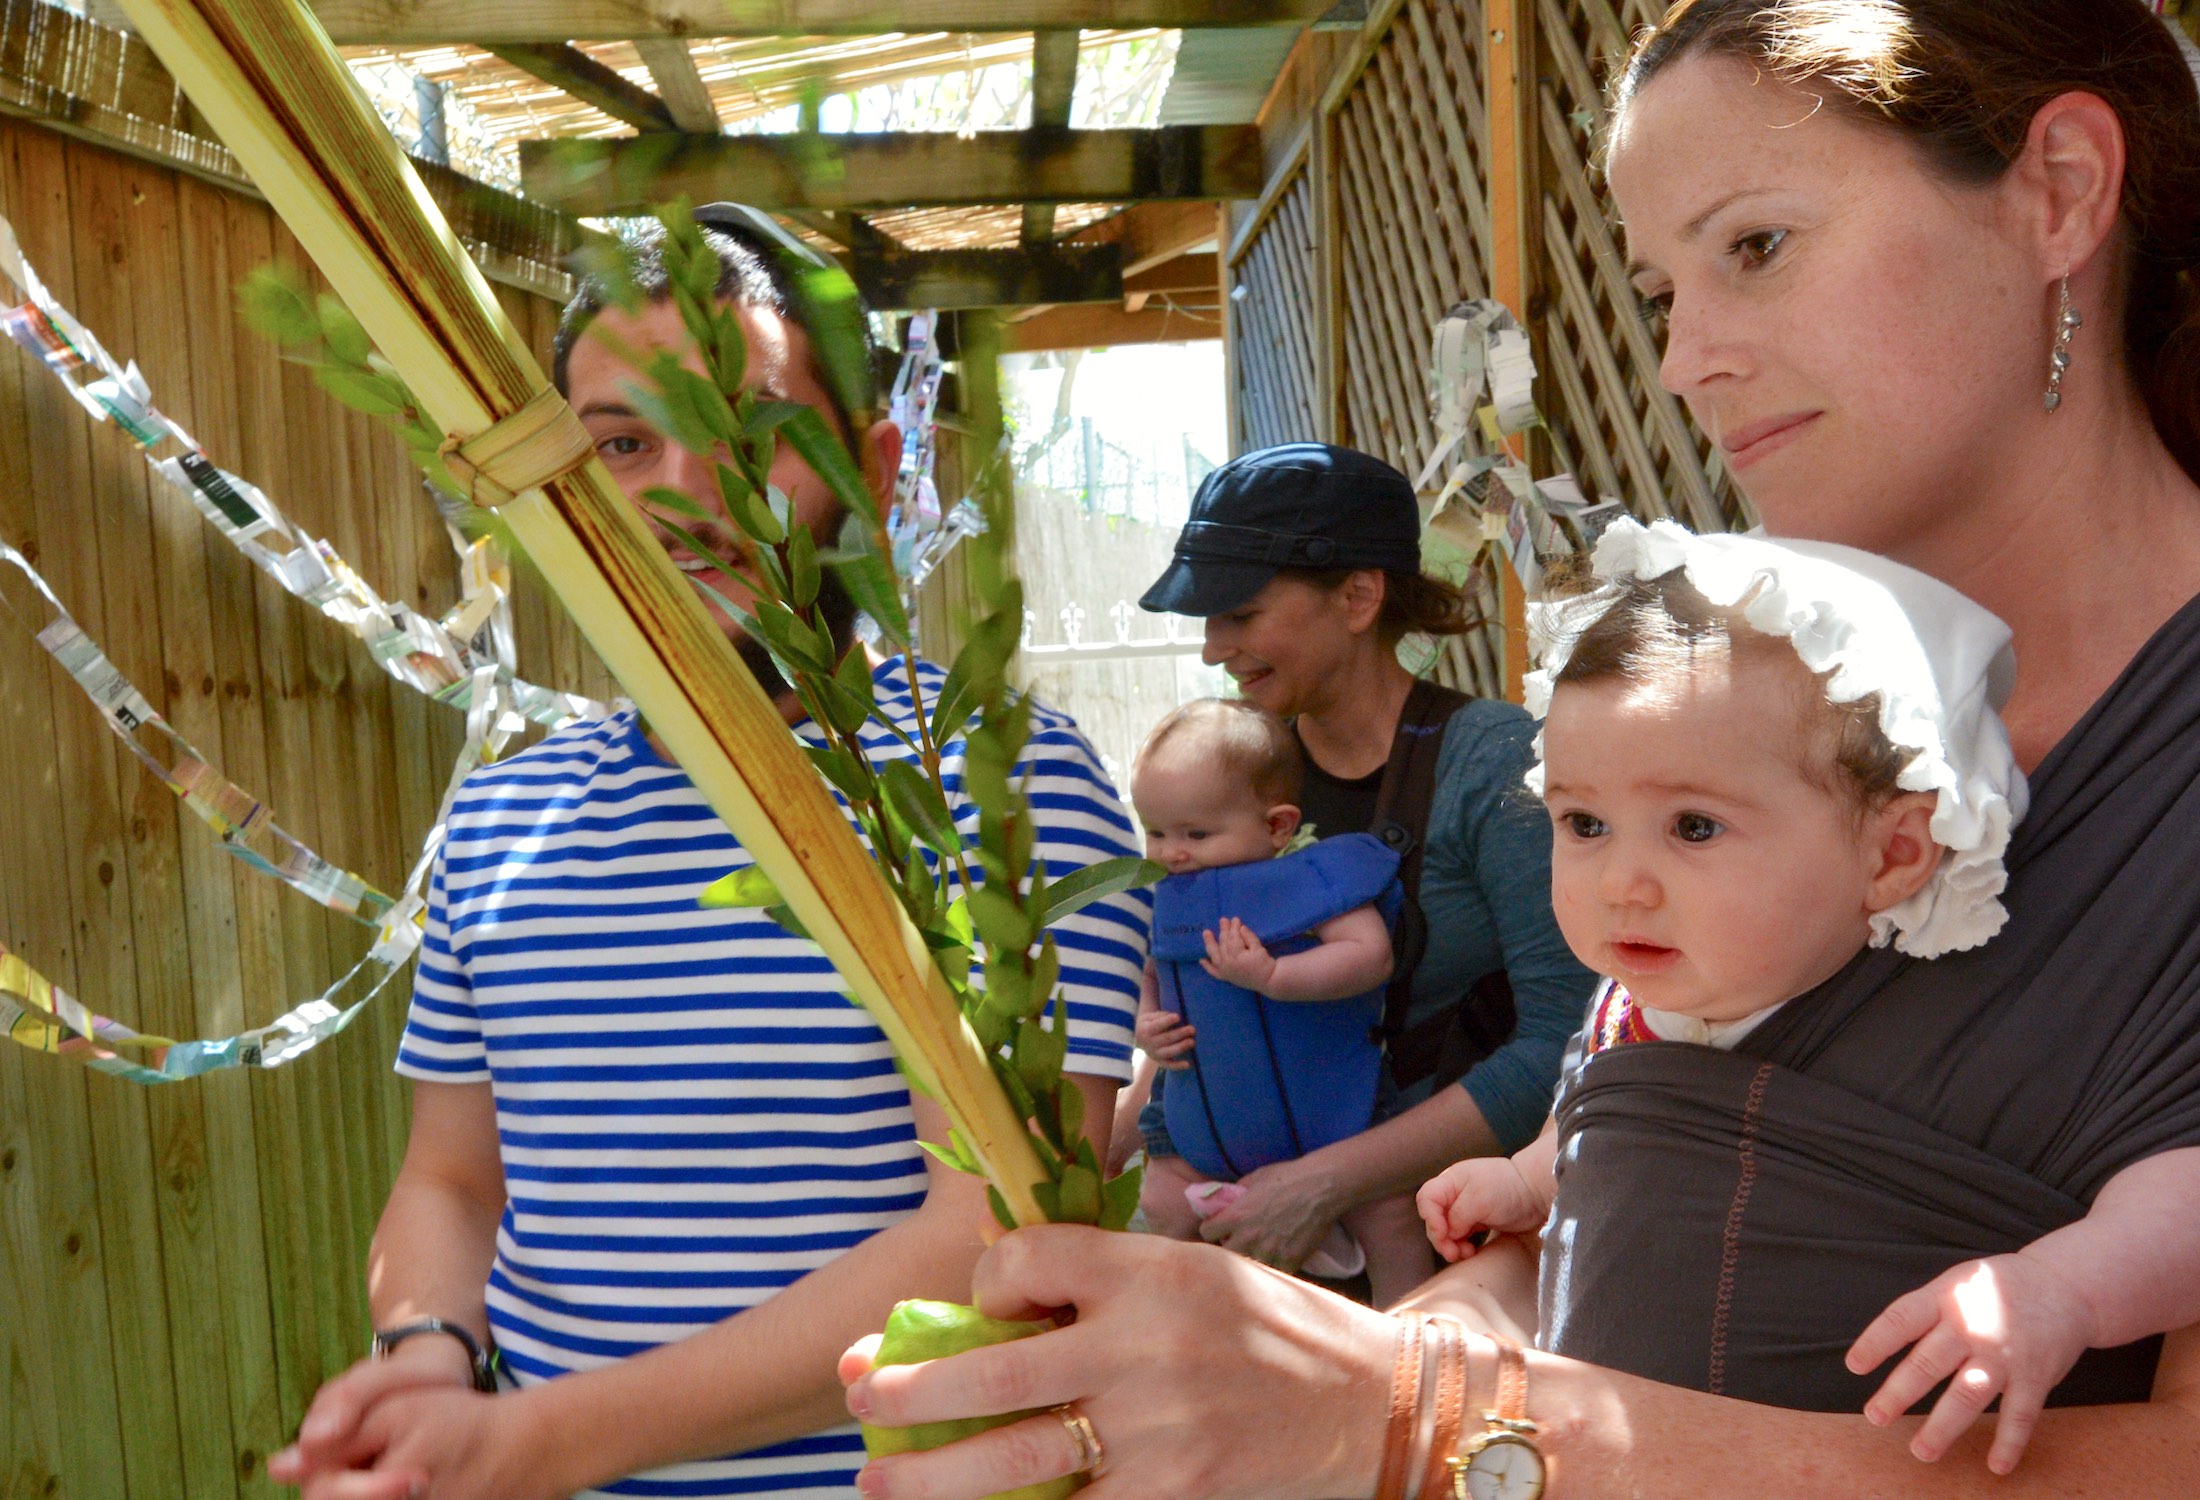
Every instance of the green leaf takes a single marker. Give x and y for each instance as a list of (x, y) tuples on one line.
[(801, 568), (844, 771), (830, 461), (1038, 1055), (912, 794), (794, 638), (341, 331), (666, 409), (274, 304), (999, 1205), (920, 892), (869, 577), (1095, 882), (1004, 925), (1078, 1198), (785, 917), (372, 394), (1119, 1199), (958, 921), (678, 503), (605, 260), (1069, 1104), (768, 416), (1049, 1198), (748, 886)]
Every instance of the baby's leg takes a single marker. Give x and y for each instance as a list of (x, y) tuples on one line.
[(1161, 1197), (1398, 1254)]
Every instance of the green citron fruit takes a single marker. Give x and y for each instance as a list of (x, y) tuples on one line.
[(918, 1331)]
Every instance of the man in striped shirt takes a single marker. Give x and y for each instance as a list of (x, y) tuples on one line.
[(657, 1156)]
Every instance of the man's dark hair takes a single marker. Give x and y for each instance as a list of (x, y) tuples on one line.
[(750, 272)]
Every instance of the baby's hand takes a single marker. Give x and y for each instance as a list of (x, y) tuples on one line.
[(1235, 956), (1486, 1192), (2004, 1325), (1163, 1036)]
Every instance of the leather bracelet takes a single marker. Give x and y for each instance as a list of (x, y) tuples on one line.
[(1405, 1412), (484, 1370), (1450, 1339)]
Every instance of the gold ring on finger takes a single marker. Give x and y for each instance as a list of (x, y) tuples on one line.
[(1090, 1454)]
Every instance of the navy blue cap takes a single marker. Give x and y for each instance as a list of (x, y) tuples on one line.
[(1298, 505)]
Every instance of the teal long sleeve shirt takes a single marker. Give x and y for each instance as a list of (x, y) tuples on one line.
[(1486, 894)]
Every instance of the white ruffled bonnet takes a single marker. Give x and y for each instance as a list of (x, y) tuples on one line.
[(1941, 665)]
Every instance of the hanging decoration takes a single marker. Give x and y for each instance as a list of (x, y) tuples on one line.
[(1488, 496)]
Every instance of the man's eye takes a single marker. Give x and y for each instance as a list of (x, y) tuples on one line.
[(1584, 825), (619, 445), (1695, 828)]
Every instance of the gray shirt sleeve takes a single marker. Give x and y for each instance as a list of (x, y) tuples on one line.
[(1486, 893)]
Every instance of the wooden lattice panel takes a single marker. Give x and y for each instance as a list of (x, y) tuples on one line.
[(1412, 219), (1274, 325), (1611, 423)]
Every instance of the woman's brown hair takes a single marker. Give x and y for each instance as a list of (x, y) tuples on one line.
[(1413, 603), (1962, 79)]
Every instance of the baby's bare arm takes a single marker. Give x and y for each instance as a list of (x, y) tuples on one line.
[(2135, 1257), (1352, 956)]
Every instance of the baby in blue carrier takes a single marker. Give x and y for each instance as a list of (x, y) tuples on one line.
[(1277, 962)]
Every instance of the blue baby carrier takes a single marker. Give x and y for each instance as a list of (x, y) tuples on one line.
[(1270, 1080)]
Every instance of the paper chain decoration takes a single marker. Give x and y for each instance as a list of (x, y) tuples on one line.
[(464, 659)]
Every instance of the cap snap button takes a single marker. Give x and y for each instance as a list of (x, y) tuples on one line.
[(1318, 549)]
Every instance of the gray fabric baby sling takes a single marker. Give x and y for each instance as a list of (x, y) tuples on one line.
[(1730, 1221)]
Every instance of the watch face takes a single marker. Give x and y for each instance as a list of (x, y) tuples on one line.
[(1503, 1467)]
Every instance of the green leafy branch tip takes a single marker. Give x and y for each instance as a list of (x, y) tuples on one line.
[(984, 905)]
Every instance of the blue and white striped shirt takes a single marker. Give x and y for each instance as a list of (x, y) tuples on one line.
[(690, 1113)]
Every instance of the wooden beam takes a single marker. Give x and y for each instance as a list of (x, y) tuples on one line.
[(590, 177), (844, 230), (1053, 91), (574, 71), (1151, 233), (1188, 274), (909, 279), (485, 22), (1094, 327), (679, 84)]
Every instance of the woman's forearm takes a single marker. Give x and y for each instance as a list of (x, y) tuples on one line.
[(1400, 1154), (1609, 1434)]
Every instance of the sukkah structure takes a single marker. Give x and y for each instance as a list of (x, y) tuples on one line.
[(266, 78)]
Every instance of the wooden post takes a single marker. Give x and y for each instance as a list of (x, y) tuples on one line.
[(1508, 74)]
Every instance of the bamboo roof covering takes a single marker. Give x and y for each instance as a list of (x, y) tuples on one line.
[(896, 81)]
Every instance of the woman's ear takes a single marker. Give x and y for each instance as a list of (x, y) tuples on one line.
[(1361, 596), (1283, 822), (2072, 173), (1899, 842)]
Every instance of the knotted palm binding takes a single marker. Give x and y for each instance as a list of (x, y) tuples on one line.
[(521, 451)]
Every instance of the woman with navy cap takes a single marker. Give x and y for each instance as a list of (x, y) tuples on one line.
[(1305, 562)]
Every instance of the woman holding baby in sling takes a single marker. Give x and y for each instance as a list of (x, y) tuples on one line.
[(1864, 225)]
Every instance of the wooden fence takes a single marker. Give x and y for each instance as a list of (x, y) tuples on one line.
[(181, 1266), (1382, 211)]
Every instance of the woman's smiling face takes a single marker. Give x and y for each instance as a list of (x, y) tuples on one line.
[(1289, 645), (1861, 337)]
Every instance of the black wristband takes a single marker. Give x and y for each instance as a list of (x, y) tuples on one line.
[(485, 1375)]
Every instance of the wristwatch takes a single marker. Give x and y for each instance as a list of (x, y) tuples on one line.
[(1502, 1462), (485, 1375)]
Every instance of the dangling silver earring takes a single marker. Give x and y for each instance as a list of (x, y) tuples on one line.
[(2067, 322)]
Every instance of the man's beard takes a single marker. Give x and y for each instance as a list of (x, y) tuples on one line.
[(836, 611)]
